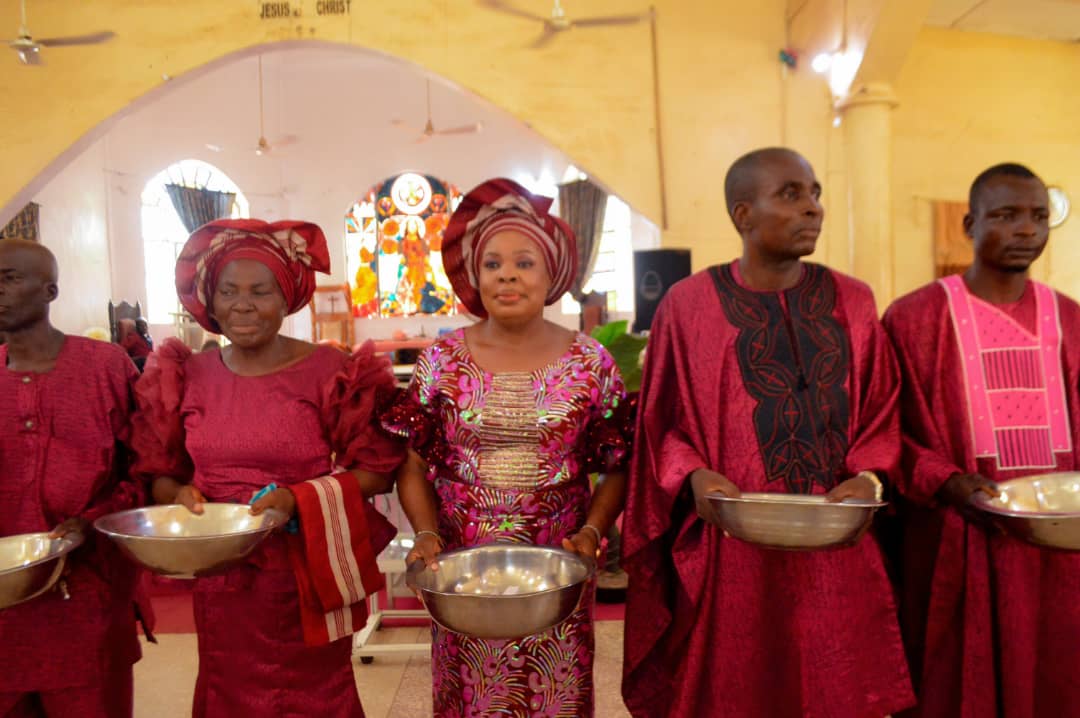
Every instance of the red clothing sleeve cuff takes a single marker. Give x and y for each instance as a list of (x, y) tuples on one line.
[(678, 460), (930, 472)]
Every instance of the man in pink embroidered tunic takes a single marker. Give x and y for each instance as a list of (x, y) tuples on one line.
[(991, 364), (66, 406), (765, 374)]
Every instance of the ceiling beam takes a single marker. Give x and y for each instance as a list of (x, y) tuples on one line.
[(877, 34), (891, 37)]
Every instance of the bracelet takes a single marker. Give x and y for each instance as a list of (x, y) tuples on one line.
[(595, 531), (429, 533), (879, 490)]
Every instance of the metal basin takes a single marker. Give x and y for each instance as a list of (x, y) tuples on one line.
[(794, 522), (502, 590), (30, 564), (1043, 510), (172, 541)]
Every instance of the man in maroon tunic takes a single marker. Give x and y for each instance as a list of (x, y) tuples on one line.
[(991, 365), (66, 404), (765, 374)]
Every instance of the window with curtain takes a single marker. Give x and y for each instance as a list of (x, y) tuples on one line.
[(614, 269), (164, 234)]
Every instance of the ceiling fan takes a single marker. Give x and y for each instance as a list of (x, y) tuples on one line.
[(263, 147), (558, 22), (29, 49), (429, 130)]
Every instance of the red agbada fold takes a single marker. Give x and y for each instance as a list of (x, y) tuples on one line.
[(334, 556)]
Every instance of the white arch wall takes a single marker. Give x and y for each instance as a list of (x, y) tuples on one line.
[(74, 225), (339, 102)]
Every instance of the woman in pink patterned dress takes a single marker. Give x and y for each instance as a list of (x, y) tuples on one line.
[(505, 421)]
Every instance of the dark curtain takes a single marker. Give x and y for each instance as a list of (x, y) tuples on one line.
[(582, 205), (197, 206), (24, 225)]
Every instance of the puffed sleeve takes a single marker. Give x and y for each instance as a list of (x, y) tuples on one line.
[(353, 401), (611, 424), (157, 430), (414, 414)]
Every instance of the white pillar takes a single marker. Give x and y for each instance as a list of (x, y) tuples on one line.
[(867, 123)]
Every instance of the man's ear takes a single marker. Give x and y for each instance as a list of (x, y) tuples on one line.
[(969, 223), (740, 215), (52, 291)]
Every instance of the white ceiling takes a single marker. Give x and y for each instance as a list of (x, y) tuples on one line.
[(1039, 19)]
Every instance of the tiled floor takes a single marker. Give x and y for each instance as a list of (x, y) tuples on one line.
[(390, 687)]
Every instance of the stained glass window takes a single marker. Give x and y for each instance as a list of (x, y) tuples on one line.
[(393, 245)]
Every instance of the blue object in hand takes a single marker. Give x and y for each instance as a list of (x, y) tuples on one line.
[(293, 526)]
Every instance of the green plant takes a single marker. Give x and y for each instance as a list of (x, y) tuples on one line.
[(624, 348)]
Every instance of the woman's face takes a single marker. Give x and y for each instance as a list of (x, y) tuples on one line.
[(514, 280), (248, 303)]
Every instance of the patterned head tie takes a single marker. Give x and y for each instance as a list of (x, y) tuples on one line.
[(292, 250), (500, 205)]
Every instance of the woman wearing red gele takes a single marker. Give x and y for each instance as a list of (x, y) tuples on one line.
[(269, 409), (505, 421)]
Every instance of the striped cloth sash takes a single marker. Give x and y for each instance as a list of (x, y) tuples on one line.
[(334, 556), (1013, 379)]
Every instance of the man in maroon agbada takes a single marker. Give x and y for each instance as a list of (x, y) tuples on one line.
[(765, 374), (66, 405), (991, 366)]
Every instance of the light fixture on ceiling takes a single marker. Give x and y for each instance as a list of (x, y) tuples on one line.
[(841, 64), (573, 174)]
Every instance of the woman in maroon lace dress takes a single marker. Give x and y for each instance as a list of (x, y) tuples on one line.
[(506, 419), (222, 425)]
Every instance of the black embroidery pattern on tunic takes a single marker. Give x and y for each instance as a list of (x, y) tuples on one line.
[(794, 365)]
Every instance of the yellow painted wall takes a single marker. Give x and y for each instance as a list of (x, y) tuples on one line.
[(968, 101), (589, 92)]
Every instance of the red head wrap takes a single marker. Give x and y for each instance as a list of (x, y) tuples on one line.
[(495, 206), (292, 250)]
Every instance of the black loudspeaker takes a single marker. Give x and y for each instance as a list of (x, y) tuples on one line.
[(655, 270)]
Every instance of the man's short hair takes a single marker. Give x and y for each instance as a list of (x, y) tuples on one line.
[(740, 183), (1005, 169)]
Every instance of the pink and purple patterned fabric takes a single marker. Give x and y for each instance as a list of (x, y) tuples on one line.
[(510, 455)]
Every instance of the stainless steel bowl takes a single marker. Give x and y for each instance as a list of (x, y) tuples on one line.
[(1043, 510), (502, 590), (794, 522), (172, 541), (30, 564)]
